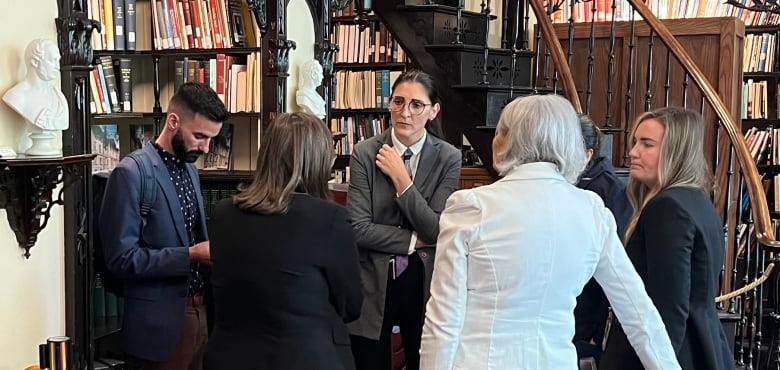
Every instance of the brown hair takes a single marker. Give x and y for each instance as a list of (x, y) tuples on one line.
[(296, 154)]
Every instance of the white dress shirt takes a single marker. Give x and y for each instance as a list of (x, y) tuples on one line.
[(416, 148), (511, 259)]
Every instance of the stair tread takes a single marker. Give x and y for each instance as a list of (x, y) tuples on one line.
[(446, 9), (725, 316), (467, 47), (504, 88)]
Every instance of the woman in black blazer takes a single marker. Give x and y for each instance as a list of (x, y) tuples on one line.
[(675, 240), (284, 263)]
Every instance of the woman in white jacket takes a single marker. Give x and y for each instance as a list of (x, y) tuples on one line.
[(513, 256)]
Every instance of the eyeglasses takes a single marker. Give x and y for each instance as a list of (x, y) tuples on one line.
[(416, 107)]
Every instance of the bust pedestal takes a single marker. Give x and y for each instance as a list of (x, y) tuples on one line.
[(43, 144)]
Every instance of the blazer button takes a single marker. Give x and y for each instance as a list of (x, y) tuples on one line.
[(423, 254)]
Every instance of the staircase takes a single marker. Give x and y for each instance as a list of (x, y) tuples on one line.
[(472, 95)]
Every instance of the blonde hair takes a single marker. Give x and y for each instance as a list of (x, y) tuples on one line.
[(681, 160), (541, 128), (295, 155)]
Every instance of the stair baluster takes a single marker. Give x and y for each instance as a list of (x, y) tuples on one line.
[(591, 58), (515, 35), (459, 23), (629, 85), (485, 6), (363, 8)]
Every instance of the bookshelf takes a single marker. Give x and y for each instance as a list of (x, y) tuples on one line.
[(364, 69), (146, 50), (759, 108)]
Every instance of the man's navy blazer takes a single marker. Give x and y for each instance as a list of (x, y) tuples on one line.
[(151, 257)]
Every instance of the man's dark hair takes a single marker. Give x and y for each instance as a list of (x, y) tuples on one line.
[(193, 97)]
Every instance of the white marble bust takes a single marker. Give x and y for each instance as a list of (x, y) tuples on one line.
[(307, 98), (34, 98)]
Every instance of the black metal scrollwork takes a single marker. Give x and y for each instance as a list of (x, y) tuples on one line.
[(771, 6), (281, 62), (26, 193), (75, 39), (258, 10), (340, 4), (326, 53)]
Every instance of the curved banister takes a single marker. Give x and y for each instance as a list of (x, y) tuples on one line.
[(759, 208)]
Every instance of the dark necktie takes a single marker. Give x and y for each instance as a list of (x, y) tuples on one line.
[(402, 262), (408, 161)]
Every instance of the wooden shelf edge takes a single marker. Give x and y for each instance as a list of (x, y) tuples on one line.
[(174, 52)]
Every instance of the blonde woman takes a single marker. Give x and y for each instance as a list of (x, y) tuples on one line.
[(675, 240)]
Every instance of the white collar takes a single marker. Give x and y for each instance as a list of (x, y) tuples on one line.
[(401, 148)]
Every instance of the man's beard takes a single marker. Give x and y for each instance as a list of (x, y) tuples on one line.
[(181, 151)]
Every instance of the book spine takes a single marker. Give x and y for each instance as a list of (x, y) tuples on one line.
[(111, 84), (108, 19), (102, 86), (125, 68), (130, 24), (119, 24)]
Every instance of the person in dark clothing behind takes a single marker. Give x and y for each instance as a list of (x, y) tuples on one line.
[(285, 272), (590, 314)]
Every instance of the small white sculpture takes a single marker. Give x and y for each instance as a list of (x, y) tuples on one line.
[(40, 103), (309, 77)]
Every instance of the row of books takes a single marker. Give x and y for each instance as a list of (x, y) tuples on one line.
[(759, 55), (374, 44), (111, 86), (104, 303), (236, 81), (174, 24), (363, 89), (357, 128), (602, 11), (763, 144), (755, 100), (202, 24), (118, 21)]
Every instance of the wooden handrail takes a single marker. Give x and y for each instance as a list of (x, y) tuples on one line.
[(759, 208), (556, 52)]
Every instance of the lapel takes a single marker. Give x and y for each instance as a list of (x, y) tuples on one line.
[(429, 159), (201, 234), (169, 191)]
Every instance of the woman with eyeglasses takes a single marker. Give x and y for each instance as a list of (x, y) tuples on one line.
[(399, 183)]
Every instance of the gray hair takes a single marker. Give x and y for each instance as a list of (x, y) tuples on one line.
[(541, 128)]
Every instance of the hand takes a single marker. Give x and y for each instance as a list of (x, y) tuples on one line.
[(391, 164), (420, 244), (201, 253)]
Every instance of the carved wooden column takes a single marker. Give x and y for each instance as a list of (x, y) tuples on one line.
[(74, 31), (325, 52), (276, 61)]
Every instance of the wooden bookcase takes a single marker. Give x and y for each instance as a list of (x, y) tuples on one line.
[(152, 80), (759, 107), (368, 59)]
